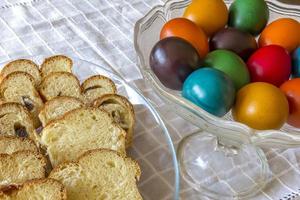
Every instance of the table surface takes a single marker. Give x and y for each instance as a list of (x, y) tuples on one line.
[(47, 27)]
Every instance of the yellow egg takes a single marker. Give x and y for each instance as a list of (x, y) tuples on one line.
[(261, 106), (210, 15)]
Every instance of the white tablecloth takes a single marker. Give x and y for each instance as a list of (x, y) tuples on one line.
[(102, 31)]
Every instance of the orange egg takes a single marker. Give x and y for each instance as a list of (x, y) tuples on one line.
[(284, 32), (291, 88), (210, 15), (187, 30), (261, 106)]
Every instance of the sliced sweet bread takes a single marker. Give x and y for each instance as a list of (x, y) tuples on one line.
[(19, 87), (20, 166), (38, 189), (57, 63), (96, 86), (57, 107), (80, 130), (12, 144), (60, 84), (15, 120), (22, 65), (121, 110), (99, 174)]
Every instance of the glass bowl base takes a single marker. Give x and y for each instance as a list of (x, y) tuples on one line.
[(220, 171)]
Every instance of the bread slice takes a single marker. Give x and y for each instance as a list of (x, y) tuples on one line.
[(22, 65), (121, 110), (60, 84), (99, 174), (39, 189), (57, 63), (12, 144), (19, 87), (96, 86), (15, 120), (57, 107), (18, 167), (81, 130)]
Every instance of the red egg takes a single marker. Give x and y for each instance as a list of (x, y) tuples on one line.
[(271, 64)]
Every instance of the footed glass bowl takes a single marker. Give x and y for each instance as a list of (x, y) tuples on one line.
[(231, 143), (152, 146)]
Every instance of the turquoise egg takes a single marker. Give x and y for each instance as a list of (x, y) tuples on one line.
[(296, 63), (210, 89)]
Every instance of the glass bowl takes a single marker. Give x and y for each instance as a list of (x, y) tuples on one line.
[(152, 146), (147, 32), (230, 142)]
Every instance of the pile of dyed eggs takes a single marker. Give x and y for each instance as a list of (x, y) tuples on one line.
[(213, 56)]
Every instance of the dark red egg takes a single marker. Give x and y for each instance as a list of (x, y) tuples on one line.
[(172, 59), (232, 39), (271, 64)]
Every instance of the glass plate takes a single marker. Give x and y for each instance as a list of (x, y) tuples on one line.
[(152, 145)]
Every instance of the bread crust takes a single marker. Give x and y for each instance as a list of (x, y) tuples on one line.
[(46, 79), (20, 106), (133, 163), (123, 101), (53, 59), (89, 152), (59, 98), (8, 190), (15, 74), (37, 99), (32, 132), (66, 115), (28, 140), (20, 61), (70, 114), (97, 77), (62, 98), (27, 153), (96, 86)]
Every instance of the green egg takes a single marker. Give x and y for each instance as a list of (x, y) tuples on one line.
[(231, 64), (249, 15)]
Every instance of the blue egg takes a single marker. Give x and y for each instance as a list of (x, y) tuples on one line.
[(296, 63), (210, 89)]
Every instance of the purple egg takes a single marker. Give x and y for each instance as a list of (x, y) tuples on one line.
[(172, 59), (242, 43)]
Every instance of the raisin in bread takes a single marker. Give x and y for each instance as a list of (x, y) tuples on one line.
[(11, 144), (60, 84), (15, 120), (80, 130), (57, 107), (57, 63), (96, 86), (21, 166), (100, 174), (121, 110), (22, 65), (19, 87), (39, 189)]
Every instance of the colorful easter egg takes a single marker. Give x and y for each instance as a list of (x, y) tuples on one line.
[(261, 106), (172, 60), (210, 89)]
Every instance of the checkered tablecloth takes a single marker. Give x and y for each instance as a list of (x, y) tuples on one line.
[(102, 31)]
